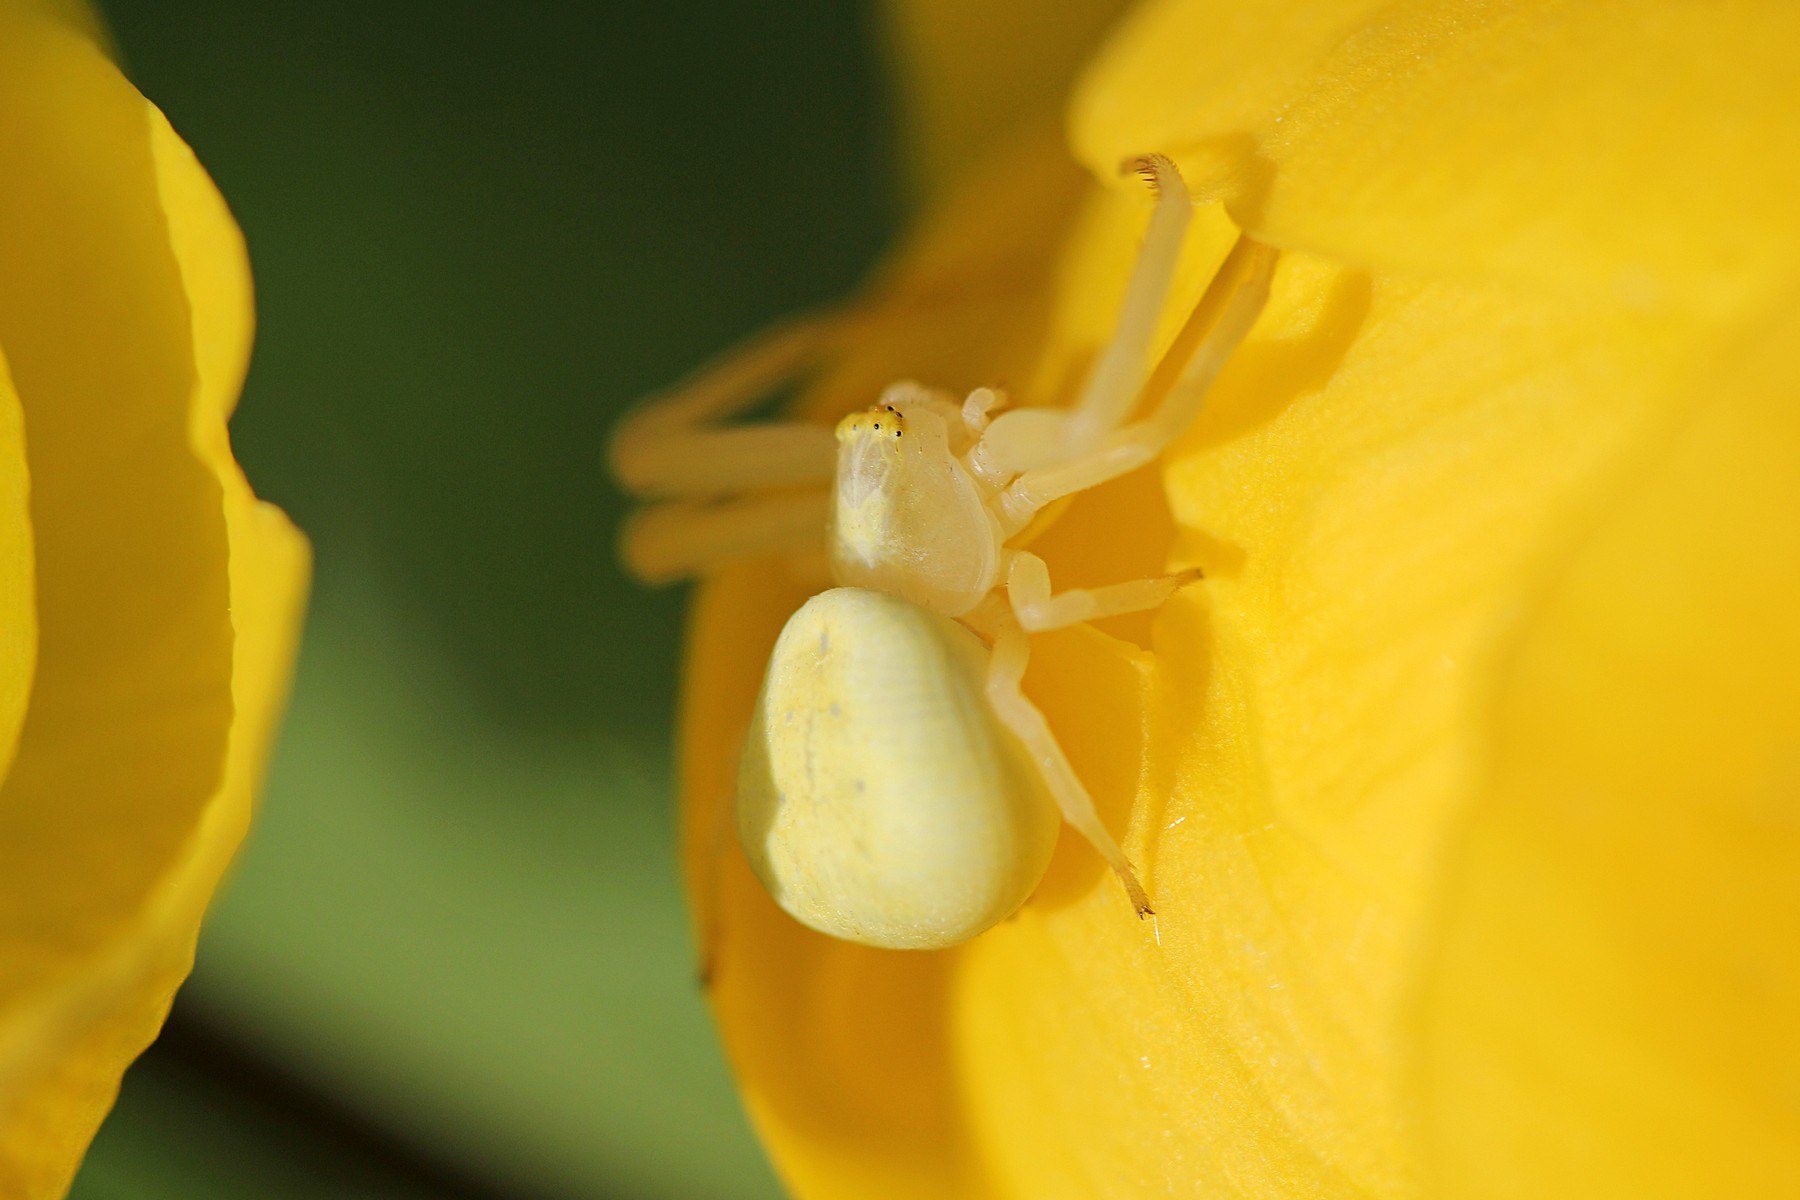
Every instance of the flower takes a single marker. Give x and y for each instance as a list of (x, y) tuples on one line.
[(1468, 785), (149, 603)]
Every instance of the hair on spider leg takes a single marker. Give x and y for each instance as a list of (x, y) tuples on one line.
[(1151, 168)]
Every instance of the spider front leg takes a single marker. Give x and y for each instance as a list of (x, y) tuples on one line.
[(727, 491), (683, 538), (1206, 342), (1039, 610), (1112, 387), (1005, 672), (1026, 439), (673, 446)]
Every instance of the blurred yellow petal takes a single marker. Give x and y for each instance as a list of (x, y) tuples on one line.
[(166, 598), (77, 14), (1353, 765), (973, 74)]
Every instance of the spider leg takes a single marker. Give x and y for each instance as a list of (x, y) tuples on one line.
[(1020, 715), (1113, 387), (673, 447), (1218, 325), (680, 538), (1039, 610)]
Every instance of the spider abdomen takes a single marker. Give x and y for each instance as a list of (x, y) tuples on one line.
[(879, 797)]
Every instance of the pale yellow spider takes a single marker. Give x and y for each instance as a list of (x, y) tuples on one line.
[(897, 788)]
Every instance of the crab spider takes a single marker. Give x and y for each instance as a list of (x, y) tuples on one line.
[(897, 788)]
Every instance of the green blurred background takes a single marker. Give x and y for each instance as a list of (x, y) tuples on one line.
[(453, 961)]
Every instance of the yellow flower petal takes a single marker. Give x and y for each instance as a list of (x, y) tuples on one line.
[(1648, 156), (166, 597), (18, 605), (1327, 757), (1613, 1002)]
